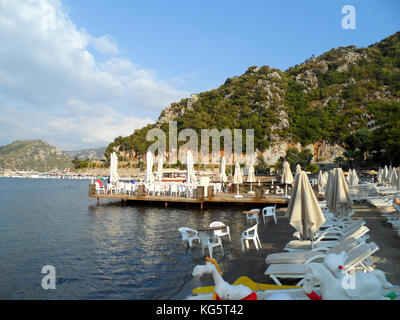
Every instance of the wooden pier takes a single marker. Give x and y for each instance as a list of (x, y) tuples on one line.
[(256, 200)]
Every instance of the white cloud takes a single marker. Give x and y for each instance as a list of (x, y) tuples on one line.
[(50, 81), (106, 45)]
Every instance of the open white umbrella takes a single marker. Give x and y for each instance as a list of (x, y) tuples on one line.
[(190, 176), (340, 201), (304, 212), (287, 177), (237, 178), (149, 177), (160, 169), (251, 176), (114, 177), (222, 175)]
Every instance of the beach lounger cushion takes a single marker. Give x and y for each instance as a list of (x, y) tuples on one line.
[(303, 257)]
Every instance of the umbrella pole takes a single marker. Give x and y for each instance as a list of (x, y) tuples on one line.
[(286, 189)]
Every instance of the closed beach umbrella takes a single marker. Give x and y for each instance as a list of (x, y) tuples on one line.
[(398, 180), (237, 177), (328, 187), (287, 177), (390, 170), (160, 168), (321, 180), (298, 169), (251, 176), (304, 212), (340, 200), (222, 175), (393, 178), (348, 177), (114, 178), (380, 175), (385, 174), (149, 178), (190, 176), (326, 175), (353, 178)]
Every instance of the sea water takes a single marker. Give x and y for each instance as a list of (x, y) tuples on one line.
[(109, 251)]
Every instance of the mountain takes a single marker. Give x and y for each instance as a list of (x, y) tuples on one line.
[(91, 154), (315, 105), (32, 155)]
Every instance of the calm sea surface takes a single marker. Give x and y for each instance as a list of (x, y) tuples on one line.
[(111, 251)]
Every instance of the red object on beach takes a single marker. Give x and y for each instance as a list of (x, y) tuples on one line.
[(99, 182), (314, 296)]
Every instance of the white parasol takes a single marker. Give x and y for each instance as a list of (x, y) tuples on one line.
[(149, 178), (287, 177), (251, 177), (321, 180), (380, 175), (340, 201), (190, 175), (114, 178), (237, 178), (304, 212), (298, 169), (385, 174), (393, 178), (160, 168), (222, 175)]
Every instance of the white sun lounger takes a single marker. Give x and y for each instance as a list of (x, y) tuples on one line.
[(307, 245), (339, 228), (314, 255), (357, 257)]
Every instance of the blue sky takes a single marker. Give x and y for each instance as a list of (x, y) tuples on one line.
[(78, 73), (205, 42)]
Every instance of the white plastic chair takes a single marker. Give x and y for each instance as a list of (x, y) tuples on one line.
[(128, 188), (221, 232), (111, 188), (250, 234), (189, 235), (134, 188), (210, 243), (269, 212), (151, 189), (99, 189), (174, 190), (121, 187), (253, 216), (217, 188)]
